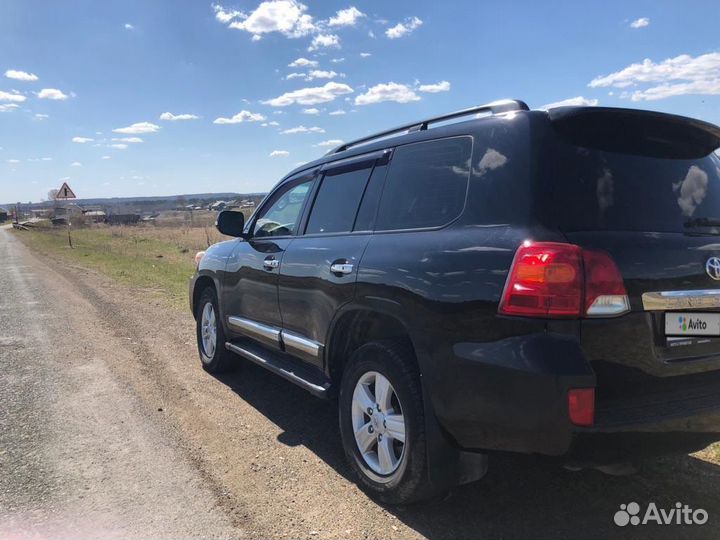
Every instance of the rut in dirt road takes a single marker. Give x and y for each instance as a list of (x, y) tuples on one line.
[(79, 454)]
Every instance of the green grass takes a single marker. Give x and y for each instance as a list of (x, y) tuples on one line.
[(148, 258)]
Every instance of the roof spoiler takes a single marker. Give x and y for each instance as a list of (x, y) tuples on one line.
[(496, 107), (633, 131)]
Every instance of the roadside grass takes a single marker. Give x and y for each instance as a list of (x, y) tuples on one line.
[(157, 258)]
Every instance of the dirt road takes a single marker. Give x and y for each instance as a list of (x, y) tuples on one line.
[(108, 427)]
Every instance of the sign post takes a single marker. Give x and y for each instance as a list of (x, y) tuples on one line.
[(65, 193)]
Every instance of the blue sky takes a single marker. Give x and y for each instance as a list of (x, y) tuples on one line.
[(83, 82)]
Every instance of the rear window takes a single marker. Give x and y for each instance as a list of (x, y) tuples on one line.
[(593, 189), (426, 184)]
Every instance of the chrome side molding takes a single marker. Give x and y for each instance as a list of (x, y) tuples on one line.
[(294, 343), (263, 332), (674, 300), (297, 344)]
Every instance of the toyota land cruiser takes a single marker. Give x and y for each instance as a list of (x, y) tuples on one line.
[(492, 279)]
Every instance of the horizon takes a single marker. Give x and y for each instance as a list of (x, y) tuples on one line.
[(140, 99)]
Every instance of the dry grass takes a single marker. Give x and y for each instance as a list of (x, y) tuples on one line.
[(157, 257)]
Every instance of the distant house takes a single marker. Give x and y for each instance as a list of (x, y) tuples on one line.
[(95, 216), (218, 205), (3, 215), (122, 219)]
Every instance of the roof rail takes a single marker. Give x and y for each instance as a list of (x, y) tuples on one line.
[(496, 107)]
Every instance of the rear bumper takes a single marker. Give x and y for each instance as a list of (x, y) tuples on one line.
[(511, 395)]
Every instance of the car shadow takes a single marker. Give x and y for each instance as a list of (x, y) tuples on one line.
[(521, 496)]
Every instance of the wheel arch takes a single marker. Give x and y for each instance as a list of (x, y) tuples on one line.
[(202, 282), (356, 325)]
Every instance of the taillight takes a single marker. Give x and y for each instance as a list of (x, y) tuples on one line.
[(605, 294), (550, 279), (581, 406), (545, 281)]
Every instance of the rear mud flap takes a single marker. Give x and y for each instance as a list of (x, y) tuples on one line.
[(448, 466)]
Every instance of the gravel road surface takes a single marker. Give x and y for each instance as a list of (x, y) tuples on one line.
[(110, 428)]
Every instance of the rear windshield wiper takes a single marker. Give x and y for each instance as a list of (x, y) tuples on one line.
[(702, 222)]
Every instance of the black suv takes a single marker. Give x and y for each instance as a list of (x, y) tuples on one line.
[(493, 279)]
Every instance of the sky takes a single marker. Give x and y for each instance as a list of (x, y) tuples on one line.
[(163, 97)]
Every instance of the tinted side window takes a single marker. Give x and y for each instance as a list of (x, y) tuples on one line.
[(337, 202), (426, 184), (500, 187), (281, 216)]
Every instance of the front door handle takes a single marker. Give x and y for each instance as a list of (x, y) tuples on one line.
[(341, 268), (270, 263)]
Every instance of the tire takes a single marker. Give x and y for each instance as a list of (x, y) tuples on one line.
[(215, 359), (406, 480)]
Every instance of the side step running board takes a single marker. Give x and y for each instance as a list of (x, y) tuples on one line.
[(311, 380)]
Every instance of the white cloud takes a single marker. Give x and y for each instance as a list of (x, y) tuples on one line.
[(52, 93), (46, 159), (577, 101), (129, 26), (287, 17), (20, 75), (138, 128), (346, 17), (320, 74), (338, 112), (365, 55), (311, 110), (173, 117), (330, 142), (8, 107), (279, 153), (311, 96), (76, 164), (242, 116), (82, 140), (303, 129), (295, 75), (391, 91), (13, 161), (40, 116), (642, 22), (119, 146), (442, 86), (403, 28), (681, 75), (303, 62), (324, 41), (225, 16), (12, 96), (106, 157), (337, 60), (133, 140)]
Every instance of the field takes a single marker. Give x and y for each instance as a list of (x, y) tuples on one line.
[(155, 257)]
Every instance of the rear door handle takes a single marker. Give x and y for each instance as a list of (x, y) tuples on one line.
[(270, 263), (341, 268)]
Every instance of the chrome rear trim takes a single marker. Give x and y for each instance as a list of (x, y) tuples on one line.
[(674, 300), (296, 343), (256, 330)]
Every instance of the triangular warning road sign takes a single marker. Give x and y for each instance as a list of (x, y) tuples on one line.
[(65, 192)]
